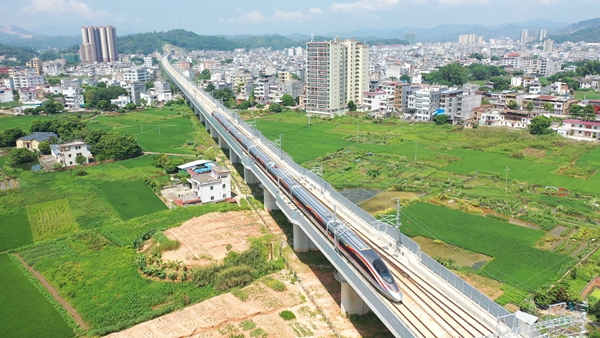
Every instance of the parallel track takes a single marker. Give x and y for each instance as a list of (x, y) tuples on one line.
[(445, 312)]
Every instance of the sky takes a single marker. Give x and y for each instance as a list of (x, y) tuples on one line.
[(231, 17)]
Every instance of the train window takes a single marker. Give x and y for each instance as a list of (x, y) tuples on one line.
[(383, 271)]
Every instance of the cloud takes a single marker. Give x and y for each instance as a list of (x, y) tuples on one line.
[(283, 15), (248, 17), (315, 11), (296, 15), (364, 5), (465, 2), (64, 7)]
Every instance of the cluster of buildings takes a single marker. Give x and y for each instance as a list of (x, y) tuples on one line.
[(65, 154)]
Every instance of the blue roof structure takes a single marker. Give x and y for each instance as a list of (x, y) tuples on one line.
[(39, 136)]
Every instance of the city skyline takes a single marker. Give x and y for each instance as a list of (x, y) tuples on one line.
[(65, 17)]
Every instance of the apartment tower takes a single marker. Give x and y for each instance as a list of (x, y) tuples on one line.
[(99, 44), (336, 72)]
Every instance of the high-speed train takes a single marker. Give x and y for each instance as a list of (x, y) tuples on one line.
[(367, 261)]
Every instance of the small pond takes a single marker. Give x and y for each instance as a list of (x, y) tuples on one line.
[(33, 166)]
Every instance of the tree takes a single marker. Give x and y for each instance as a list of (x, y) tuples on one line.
[(102, 105), (549, 107), (101, 84), (540, 125), (500, 83), (588, 113), (351, 105), (21, 155), (405, 78), (441, 119), (275, 108), (204, 75), (529, 106), (513, 105), (115, 145), (453, 74), (518, 73), (149, 85), (8, 138), (44, 147), (130, 106), (287, 100), (245, 104), (80, 159), (210, 88)]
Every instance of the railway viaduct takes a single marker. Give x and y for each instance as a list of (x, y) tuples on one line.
[(436, 302)]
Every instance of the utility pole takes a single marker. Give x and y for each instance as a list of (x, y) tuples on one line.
[(357, 135), (309, 116), (279, 143), (416, 146), (398, 224), (506, 179)]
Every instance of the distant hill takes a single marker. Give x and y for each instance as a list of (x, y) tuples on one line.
[(590, 34), (580, 25)]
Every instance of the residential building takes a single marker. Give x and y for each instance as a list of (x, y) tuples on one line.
[(580, 130), (375, 102), (66, 153), (421, 102), (121, 101), (27, 94), (74, 101), (211, 186), (6, 95), (135, 90), (36, 64), (70, 83), (561, 104), (99, 44), (33, 140), (148, 61), (336, 72), (139, 75), (458, 104), (24, 81), (507, 118), (513, 60)]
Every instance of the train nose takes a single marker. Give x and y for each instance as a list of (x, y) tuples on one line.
[(396, 296)]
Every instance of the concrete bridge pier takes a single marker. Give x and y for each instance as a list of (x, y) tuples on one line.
[(233, 157), (222, 143), (213, 131), (270, 200), (200, 116), (249, 177), (302, 243), (352, 304)]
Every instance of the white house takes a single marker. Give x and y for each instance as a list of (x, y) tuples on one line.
[(211, 186), (74, 101), (580, 130), (6, 95), (121, 101), (66, 153)]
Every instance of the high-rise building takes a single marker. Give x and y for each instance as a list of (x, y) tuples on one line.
[(99, 44), (410, 38), (336, 73), (548, 45), (524, 36), (36, 64)]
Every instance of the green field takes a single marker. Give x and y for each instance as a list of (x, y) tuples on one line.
[(14, 231), (51, 219), (132, 198), (515, 259), (24, 311), (157, 130), (579, 95), (23, 122)]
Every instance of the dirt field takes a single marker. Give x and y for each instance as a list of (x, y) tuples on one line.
[(205, 239), (315, 306)]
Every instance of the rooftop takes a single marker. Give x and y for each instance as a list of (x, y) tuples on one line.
[(38, 136)]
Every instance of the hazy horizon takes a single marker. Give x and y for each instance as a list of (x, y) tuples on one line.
[(231, 17)]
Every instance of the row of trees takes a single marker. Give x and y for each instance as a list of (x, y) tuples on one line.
[(105, 145), (100, 95), (73, 128), (455, 74), (8, 137), (50, 107)]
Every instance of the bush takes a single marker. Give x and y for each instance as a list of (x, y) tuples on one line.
[(287, 315), (517, 154), (500, 218), (236, 276)]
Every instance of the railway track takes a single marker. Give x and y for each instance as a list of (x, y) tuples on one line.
[(443, 316)]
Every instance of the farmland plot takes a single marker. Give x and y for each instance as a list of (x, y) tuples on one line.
[(14, 231), (51, 219)]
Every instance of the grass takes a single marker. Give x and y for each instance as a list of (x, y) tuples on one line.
[(131, 198), (157, 130), (516, 260), (17, 311), (579, 95), (14, 231), (51, 219)]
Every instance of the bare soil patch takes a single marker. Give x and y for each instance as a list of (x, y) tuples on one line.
[(534, 152), (489, 287), (207, 239)]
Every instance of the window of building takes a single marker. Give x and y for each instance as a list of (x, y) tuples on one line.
[(224, 195), (211, 188), (69, 155), (223, 185), (212, 198)]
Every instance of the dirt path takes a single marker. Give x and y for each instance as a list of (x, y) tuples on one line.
[(54, 293)]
